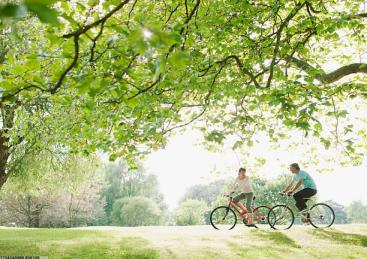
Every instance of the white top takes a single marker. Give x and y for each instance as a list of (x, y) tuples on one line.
[(243, 185)]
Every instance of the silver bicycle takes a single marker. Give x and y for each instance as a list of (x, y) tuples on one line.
[(319, 215)]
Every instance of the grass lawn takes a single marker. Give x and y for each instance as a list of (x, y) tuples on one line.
[(342, 241)]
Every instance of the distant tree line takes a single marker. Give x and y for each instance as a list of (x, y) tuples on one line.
[(72, 191)]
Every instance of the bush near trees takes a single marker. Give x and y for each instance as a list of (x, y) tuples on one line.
[(123, 183), (191, 212), (135, 211), (357, 212)]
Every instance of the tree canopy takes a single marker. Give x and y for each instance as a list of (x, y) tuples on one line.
[(121, 76)]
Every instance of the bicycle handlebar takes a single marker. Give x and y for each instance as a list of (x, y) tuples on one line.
[(288, 194)]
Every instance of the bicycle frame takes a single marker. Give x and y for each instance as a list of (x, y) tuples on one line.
[(232, 204), (287, 202), (243, 215)]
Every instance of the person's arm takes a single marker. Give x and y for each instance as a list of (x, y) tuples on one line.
[(288, 187), (297, 185)]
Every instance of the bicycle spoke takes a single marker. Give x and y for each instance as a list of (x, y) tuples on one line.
[(281, 217), (321, 215), (223, 218)]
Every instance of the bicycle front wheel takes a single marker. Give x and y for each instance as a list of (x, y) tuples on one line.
[(280, 217), (222, 218), (321, 215)]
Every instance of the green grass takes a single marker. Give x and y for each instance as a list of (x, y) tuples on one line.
[(341, 237), (263, 243), (343, 241), (278, 238), (72, 243)]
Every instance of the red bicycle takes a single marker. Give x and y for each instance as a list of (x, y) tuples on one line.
[(224, 217)]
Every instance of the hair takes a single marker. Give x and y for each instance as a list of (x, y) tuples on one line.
[(295, 165), (242, 169)]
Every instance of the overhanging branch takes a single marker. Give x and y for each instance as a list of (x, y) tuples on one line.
[(333, 76)]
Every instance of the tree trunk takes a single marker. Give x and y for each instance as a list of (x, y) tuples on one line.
[(29, 211), (4, 155), (71, 211), (7, 114), (3, 177)]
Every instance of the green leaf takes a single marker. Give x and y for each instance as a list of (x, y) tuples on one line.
[(326, 142), (10, 10), (42, 10), (180, 59)]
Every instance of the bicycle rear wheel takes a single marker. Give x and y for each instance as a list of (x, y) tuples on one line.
[(223, 217), (280, 217), (321, 215), (260, 215)]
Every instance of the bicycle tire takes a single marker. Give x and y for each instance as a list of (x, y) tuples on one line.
[(332, 213), (229, 210), (289, 210)]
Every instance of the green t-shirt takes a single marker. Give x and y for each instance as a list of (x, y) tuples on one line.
[(307, 180)]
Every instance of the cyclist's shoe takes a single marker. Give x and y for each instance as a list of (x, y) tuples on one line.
[(305, 216), (251, 225), (304, 220)]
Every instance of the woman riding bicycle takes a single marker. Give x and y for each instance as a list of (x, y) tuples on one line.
[(309, 188), (243, 185)]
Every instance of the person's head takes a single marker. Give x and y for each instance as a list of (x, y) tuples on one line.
[(294, 168), (241, 172)]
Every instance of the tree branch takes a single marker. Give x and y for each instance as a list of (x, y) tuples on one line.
[(70, 67), (278, 37), (333, 76), (239, 64), (96, 23), (7, 95), (146, 89)]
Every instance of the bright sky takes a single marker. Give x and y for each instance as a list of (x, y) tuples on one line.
[(184, 163)]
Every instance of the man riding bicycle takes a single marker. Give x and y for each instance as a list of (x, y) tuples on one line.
[(309, 188)]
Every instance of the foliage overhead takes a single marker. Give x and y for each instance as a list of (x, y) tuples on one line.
[(105, 75)]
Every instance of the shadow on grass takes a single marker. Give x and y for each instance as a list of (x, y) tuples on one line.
[(281, 246), (341, 237), (277, 237)]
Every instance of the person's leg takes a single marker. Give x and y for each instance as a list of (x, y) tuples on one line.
[(237, 199), (308, 193), (300, 202), (301, 196), (249, 199)]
